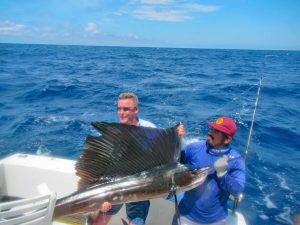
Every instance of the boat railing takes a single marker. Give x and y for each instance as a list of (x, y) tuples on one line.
[(30, 211)]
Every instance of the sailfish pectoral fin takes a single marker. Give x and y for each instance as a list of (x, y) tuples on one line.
[(177, 210), (124, 222), (173, 192)]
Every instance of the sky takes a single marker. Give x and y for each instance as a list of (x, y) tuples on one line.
[(217, 24)]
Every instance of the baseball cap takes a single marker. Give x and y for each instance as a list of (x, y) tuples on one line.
[(225, 125)]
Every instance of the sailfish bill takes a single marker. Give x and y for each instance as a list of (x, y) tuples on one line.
[(128, 164)]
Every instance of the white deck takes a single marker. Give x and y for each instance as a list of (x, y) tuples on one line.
[(27, 176)]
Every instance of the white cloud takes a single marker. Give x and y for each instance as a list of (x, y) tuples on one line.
[(134, 36), (152, 13), (162, 2), (7, 28), (167, 10), (202, 8), (91, 28)]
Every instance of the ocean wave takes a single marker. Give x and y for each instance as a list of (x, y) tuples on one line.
[(269, 203), (282, 182), (285, 216), (42, 150), (263, 217), (276, 91)]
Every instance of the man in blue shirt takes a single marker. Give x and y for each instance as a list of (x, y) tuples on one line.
[(207, 203)]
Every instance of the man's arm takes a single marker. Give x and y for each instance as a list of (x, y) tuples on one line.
[(234, 180)]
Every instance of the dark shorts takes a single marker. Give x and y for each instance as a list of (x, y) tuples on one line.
[(114, 209), (136, 211)]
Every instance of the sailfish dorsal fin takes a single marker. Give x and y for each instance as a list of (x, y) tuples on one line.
[(123, 150)]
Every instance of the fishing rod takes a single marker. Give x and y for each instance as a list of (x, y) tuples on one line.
[(252, 121), (238, 199)]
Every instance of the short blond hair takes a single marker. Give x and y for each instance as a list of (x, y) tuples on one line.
[(129, 95)]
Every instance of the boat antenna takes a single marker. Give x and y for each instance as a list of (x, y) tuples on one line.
[(239, 198), (252, 121)]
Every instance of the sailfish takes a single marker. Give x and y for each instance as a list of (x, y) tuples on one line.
[(127, 163)]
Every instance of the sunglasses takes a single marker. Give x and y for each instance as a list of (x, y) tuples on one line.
[(125, 109)]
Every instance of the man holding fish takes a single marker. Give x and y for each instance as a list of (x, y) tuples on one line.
[(207, 203), (136, 211)]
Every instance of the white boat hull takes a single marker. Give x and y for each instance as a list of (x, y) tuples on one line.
[(27, 176)]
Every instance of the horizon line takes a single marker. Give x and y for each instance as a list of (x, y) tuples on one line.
[(162, 47)]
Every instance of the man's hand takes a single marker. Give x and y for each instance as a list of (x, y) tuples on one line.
[(106, 206), (180, 129), (221, 166)]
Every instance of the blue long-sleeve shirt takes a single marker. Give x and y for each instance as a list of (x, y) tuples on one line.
[(207, 203)]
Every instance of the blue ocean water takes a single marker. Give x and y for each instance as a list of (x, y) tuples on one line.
[(50, 94)]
